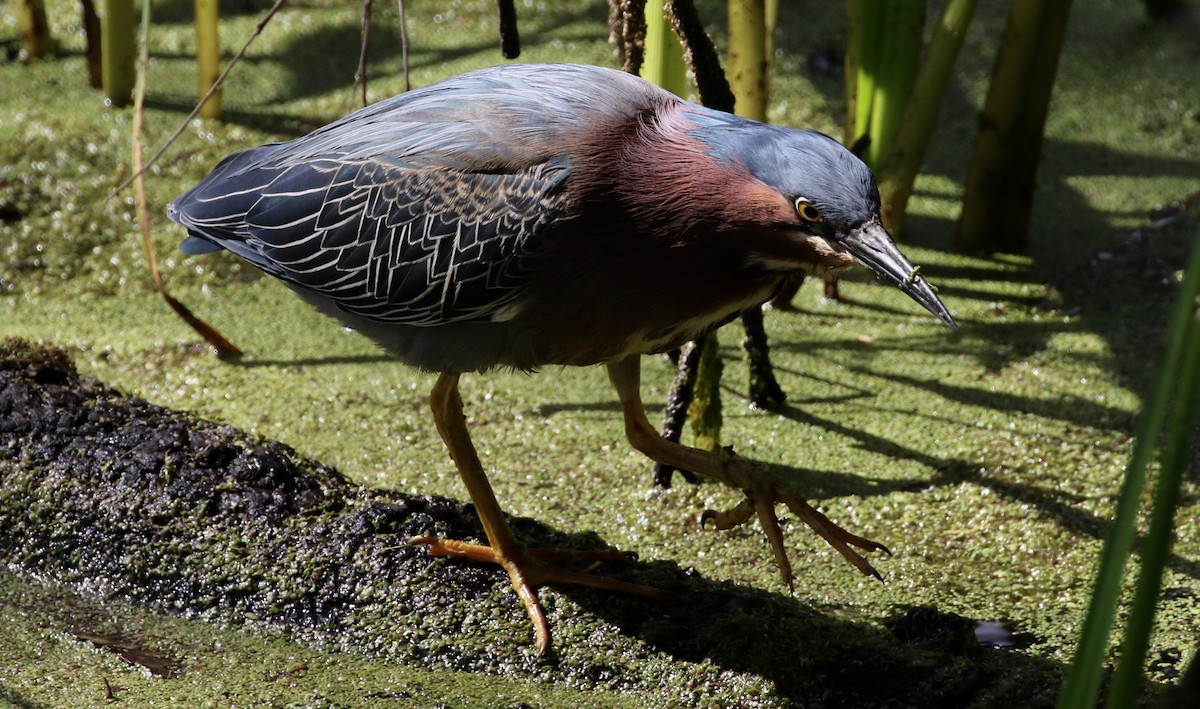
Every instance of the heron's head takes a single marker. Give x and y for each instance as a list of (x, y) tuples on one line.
[(832, 196)]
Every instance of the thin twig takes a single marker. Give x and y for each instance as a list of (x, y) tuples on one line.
[(360, 74), (404, 43), (213, 89), (225, 349)]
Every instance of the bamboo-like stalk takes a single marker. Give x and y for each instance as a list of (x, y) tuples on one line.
[(850, 69), (704, 414), (747, 70), (208, 56), (896, 69), (34, 31), (195, 111), (771, 23), (663, 60), (916, 126), (118, 49), (983, 203), (1020, 182), (770, 27), (869, 37)]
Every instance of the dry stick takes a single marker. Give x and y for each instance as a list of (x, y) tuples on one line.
[(213, 89), (225, 349), (360, 74), (404, 43)]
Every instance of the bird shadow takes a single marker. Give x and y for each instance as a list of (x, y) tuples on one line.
[(554, 409), (1056, 506), (806, 652), (330, 360)]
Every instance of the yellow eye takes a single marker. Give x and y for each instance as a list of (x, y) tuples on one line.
[(807, 211)]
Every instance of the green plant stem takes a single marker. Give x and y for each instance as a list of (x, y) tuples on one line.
[(34, 31), (208, 56), (1011, 235), (663, 64), (1004, 159), (850, 70), (869, 37), (982, 205), (916, 126), (896, 69), (748, 57), (704, 414), (1156, 547), (1082, 684), (118, 50)]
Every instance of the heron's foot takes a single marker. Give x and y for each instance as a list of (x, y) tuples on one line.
[(761, 502), (530, 568)]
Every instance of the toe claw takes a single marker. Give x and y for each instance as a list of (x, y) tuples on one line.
[(762, 494), (730, 518)]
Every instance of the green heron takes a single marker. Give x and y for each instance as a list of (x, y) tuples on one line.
[(527, 215)]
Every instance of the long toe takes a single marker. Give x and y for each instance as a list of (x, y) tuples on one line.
[(529, 568)]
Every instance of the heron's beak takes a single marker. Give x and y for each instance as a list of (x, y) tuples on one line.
[(873, 247)]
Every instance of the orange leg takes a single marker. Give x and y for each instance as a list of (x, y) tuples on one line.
[(527, 568), (763, 490)]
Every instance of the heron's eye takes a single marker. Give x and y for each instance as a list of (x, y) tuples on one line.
[(807, 211)]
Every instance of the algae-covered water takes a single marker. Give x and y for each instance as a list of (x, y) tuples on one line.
[(987, 460)]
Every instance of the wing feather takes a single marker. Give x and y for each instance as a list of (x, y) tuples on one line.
[(397, 243)]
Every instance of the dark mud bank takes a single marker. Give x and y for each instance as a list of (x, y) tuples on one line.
[(117, 498)]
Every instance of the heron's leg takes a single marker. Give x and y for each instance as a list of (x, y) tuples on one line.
[(527, 568), (762, 489)]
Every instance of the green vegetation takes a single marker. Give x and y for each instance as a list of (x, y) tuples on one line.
[(987, 461)]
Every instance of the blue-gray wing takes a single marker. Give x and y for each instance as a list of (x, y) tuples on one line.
[(392, 239)]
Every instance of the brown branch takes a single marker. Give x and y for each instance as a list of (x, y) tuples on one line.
[(627, 25), (224, 348), (701, 56)]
